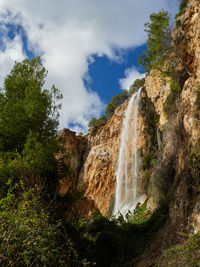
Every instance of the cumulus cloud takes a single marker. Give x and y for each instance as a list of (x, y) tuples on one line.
[(131, 75), (67, 33), (13, 52)]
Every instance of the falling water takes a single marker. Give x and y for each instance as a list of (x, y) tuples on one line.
[(126, 196)]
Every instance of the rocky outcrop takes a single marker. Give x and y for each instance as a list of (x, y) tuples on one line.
[(75, 147)]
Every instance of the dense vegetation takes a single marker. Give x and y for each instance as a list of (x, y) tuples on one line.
[(31, 163), (117, 242)]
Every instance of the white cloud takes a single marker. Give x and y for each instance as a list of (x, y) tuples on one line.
[(13, 52), (67, 32), (131, 75)]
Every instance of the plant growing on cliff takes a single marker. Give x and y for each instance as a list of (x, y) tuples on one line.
[(182, 8), (115, 102), (138, 83), (175, 90), (197, 103), (97, 122), (158, 42)]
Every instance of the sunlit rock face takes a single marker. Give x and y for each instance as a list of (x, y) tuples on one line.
[(97, 178), (95, 164)]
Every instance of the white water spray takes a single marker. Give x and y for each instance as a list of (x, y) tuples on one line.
[(126, 197)]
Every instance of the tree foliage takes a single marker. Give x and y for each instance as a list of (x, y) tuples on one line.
[(182, 8), (138, 83), (97, 122), (26, 106), (29, 120), (115, 102), (158, 42)]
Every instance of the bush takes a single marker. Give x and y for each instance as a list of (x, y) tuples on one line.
[(27, 237), (41, 164), (120, 241), (147, 161), (139, 216)]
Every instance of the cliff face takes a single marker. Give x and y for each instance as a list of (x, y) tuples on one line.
[(94, 158), (179, 131), (171, 138)]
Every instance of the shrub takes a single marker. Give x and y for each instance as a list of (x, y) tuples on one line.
[(27, 237), (147, 161), (120, 241), (139, 216)]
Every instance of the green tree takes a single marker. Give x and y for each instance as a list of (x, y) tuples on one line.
[(26, 106), (92, 123), (97, 122), (101, 121), (158, 42), (115, 102), (29, 147), (183, 5), (138, 83)]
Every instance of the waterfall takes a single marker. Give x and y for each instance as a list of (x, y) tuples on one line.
[(126, 197)]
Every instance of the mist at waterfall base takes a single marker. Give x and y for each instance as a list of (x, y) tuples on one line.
[(126, 196)]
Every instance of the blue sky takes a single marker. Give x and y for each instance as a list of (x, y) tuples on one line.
[(105, 74), (89, 47)]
